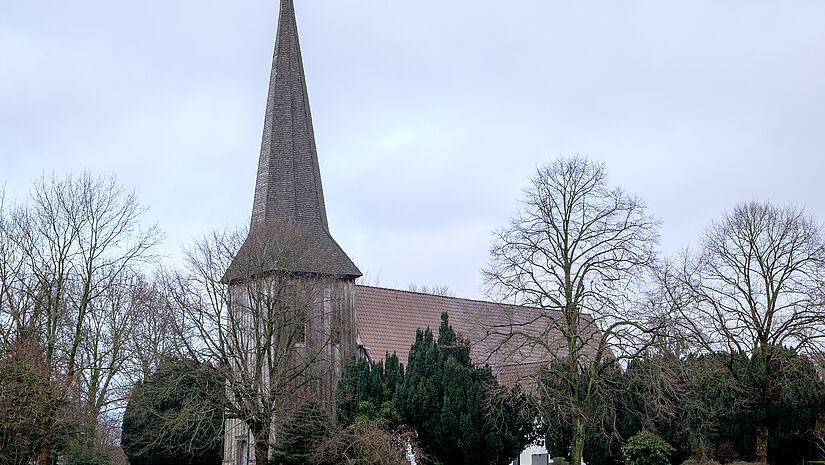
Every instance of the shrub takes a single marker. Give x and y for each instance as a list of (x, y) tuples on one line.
[(27, 392), (726, 452), (303, 430), (171, 416), (364, 443), (85, 448), (646, 448), (700, 462)]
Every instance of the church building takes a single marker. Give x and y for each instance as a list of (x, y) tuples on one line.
[(365, 321)]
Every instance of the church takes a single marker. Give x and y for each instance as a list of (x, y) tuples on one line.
[(366, 321)]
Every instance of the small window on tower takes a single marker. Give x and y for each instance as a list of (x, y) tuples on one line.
[(300, 335)]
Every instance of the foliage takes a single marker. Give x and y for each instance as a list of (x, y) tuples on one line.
[(367, 388), (716, 414), (27, 395), (789, 412), (602, 444), (85, 448), (301, 433), (646, 448), (447, 401), (172, 416), (697, 405), (365, 442), (754, 291), (679, 398)]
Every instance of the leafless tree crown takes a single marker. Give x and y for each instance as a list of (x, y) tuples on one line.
[(569, 265), (753, 289), (756, 282), (69, 261), (576, 249)]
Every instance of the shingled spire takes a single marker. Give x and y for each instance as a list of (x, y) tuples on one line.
[(289, 198)]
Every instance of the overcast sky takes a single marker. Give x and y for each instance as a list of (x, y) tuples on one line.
[(430, 116)]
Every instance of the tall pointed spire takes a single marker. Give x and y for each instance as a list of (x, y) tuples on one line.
[(288, 191), (288, 185)]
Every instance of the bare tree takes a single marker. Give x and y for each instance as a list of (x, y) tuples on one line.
[(152, 340), (107, 354), (574, 254), (26, 395), (818, 434), (263, 330), (754, 288), (63, 256), (15, 308), (368, 444), (436, 289)]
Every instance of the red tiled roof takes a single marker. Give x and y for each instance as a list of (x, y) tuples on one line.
[(499, 334)]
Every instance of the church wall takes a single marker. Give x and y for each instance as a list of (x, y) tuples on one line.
[(330, 329)]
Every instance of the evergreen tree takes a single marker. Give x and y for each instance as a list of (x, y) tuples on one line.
[(445, 399), (172, 416), (790, 409), (346, 391), (442, 396), (299, 436), (420, 398), (700, 408), (367, 388)]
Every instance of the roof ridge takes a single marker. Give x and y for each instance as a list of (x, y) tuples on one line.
[(451, 297), (520, 364)]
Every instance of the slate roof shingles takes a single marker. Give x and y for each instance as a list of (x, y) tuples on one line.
[(288, 188)]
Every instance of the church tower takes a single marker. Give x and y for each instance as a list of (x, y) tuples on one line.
[(289, 235)]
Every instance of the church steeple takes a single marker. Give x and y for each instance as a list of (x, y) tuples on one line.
[(288, 191), (288, 185)]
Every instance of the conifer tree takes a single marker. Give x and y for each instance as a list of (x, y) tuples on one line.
[(445, 399), (173, 416), (367, 388), (305, 428), (442, 396)]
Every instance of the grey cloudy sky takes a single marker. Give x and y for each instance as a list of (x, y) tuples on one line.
[(430, 116)]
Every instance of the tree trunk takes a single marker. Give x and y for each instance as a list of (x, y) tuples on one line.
[(577, 440), (762, 444), (260, 435), (699, 451), (46, 451), (46, 446)]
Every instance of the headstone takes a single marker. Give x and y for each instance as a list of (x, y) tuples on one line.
[(539, 459)]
